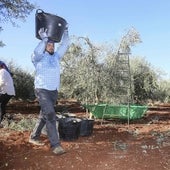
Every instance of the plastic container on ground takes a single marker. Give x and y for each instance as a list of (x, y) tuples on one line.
[(86, 127), (69, 128)]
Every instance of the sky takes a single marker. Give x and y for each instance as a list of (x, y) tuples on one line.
[(101, 21)]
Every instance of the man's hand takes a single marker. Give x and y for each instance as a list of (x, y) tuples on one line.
[(43, 33)]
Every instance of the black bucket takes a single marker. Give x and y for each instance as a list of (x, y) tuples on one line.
[(69, 128), (86, 127), (54, 24)]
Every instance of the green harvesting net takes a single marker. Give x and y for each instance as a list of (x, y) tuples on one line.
[(119, 111)]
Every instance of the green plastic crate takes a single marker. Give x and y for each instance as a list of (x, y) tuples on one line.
[(117, 111)]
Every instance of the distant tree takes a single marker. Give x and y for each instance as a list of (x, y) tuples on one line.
[(24, 84), (145, 80), (163, 91)]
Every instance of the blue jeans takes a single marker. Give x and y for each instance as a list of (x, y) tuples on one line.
[(47, 99)]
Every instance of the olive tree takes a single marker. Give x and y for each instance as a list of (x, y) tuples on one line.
[(145, 80), (23, 82), (13, 10), (79, 70), (85, 76), (88, 72), (119, 85)]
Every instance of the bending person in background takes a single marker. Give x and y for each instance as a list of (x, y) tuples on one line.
[(7, 90), (47, 81)]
